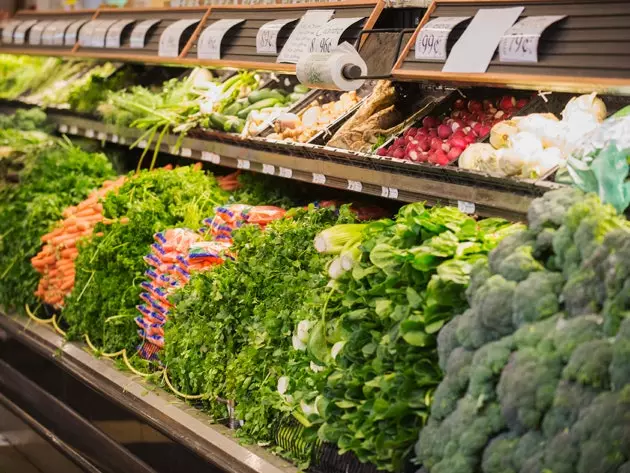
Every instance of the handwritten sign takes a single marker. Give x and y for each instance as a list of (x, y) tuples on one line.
[(114, 34), (355, 186), (520, 43), (72, 31), (8, 29), (100, 33), (35, 36), (432, 38), (139, 33), (474, 49), (86, 32), (169, 41), (301, 37), (267, 35), (327, 37), (19, 35), (209, 44)]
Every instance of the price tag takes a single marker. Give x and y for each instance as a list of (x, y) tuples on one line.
[(355, 186), (209, 44), (474, 49), (89, 133), (37, 31), (466, 207), (432, 38), (327, 37), (122, 140), (210, 157), (139, 33), (72, 31), (169, 41), (319, 178), (267, 36), (74, 130), (143, 144), (268, 169), (285, 172), (63, 128), (185, 152), (112, 40), (114, 138), (242, 164), (520, 43), (302, 35), (389, 192), (100, 32), (101, 136), (49, 34), (86, 32), (19, 35), (8, 30)]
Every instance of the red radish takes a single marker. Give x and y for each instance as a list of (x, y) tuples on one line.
[(381, 152), (446, 147), (440, 158), (436, 143), (424, 145), (492, 111), (458, 143), (467, 130), (521, 103), (432, 133), (456, 114), (414, 155), (459, 104), (477, 127), (410, 132), (421, 133), (507, 102), (424, 157), (455, 126), (475, 106), (399, 142), (429, 122), (484, 130), (444, 131), (454, 153), (399, 153), (470, 139)]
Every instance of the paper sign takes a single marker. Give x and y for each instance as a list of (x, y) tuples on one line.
[(35, 36), (267, 36), (7, 31), (285, 172), (474, 49), (209, 44), (520, 43), (19, 35), (140, 31), (432, 38), (327, 37), (268, 169), (100, 32), (466, 207), (114, 33), (71, 33), (210, 157), (49, 34), (301, 37), (319, 178), (242, 163), (86, 32), (169, 41), (355, 186)]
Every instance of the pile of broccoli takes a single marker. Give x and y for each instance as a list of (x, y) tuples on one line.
[(537, 370)]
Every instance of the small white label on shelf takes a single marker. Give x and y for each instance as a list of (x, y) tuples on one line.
[(89, 133), (268, 169), (209, 43), (169, 41), (299, 41), (112, 40), (319, 178), (37, 31), (390, 192), (520, 43), (122, 140), (355, 186), (384, 191), (432, 38), (63, 128), (327, 37), (186, 152), (100, 33), (242, 163), (74, 130), (267, 35), (7, 31), (115, 139), (466, 207), (19, 35), (72, 31), (285, 172), (139, 33), (101, 136), (143, 144), (474, 49), (210, 157)]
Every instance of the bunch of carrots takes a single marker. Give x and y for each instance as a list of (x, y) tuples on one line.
[(55, 262), (229, 182)]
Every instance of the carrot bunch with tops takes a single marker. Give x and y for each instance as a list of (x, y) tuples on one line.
[(55, 262)]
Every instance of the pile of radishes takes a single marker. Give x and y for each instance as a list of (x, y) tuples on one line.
[(440, 141)]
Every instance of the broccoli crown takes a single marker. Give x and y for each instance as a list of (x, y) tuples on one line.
[(537, 369)]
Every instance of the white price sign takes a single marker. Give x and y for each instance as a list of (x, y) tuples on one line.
[(100, 33), (186, 152), (432, 38), (169, 41), (101, 136), (355, 186), (210, 157), (285, 172), (89, 133), (209, 44), (19, 35), (520, 43), (268, 169), (327, 37), (73, 130), (112, 40), (267, 35), (86, 32), (50, 32), (115, 139), (299, 41), (37, 32), (72, 32), (63, 128), (319, 178), (8, 29), (139, 33), (389, 192), (466, 207), (242, 163)]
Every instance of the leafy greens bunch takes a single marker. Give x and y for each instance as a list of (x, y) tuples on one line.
[(110, 267), (369, 362), (538, 368), (230, 333), (56, 177)]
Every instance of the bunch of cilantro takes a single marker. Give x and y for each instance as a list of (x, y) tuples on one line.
[(110, 267), (364, 374), (230, 333), (56, 177)]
